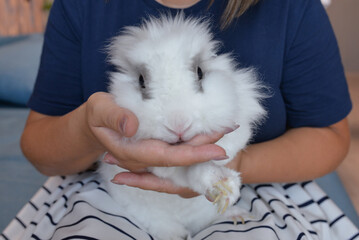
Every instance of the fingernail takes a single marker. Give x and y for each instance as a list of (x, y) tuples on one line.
[(221, 158), (115, 181), (123, 125), (229, 130), (209, 196), (109, 159)]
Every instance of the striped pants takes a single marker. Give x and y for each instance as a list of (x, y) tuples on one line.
[(79, 207)]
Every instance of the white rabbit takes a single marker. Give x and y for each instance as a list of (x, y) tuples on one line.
[(170, 76)]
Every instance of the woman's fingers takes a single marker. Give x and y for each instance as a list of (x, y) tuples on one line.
[(210, 138), (139, 155), (205, 139), (154, 153), (148, 181)]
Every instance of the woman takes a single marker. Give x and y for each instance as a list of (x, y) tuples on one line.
[(73, 120)]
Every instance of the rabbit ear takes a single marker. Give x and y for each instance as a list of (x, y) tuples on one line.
[(121, 46), (157, 31)]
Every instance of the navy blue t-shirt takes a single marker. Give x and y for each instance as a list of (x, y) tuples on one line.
[(290, 43)]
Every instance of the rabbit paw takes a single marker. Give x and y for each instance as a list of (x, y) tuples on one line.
[(224, 193)]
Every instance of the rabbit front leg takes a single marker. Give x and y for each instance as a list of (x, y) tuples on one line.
[(212, 178), (218, 183)]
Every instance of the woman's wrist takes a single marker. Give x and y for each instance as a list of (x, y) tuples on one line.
[(245, 164), (237, 164)]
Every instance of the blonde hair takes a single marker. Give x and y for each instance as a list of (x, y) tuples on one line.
[(234, 9)]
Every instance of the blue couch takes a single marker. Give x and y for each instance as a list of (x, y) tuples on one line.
[(19, 60)]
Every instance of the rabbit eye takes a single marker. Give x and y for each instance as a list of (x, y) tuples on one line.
[(141, 81), (199, 73)]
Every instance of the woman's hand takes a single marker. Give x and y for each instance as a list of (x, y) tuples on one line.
[(110, 124), (148, 181)]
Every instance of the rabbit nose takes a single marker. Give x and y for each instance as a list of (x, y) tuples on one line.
[(178, 126), (178, 131)]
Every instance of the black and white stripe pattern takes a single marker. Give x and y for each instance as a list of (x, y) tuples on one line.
[(79, 207)]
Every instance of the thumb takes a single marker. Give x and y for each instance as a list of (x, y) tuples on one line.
[(105, 112), (125, 121)]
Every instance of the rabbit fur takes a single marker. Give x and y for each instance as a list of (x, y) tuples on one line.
[(169, 74)]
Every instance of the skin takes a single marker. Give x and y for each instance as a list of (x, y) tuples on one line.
[(71, 143), (177, 3)]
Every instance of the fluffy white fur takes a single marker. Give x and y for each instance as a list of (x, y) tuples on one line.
[(326, 3), (167, 52)]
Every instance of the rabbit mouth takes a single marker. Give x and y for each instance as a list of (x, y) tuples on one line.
[(180, 141), (176, 141)]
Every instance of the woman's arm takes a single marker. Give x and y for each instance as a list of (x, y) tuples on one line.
[(71, 143), (298, 155)]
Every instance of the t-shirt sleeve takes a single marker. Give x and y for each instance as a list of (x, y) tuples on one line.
[(58, 87), (314, 87)]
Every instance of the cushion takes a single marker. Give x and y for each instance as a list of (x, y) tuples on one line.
[(19, 62), (334, 188)]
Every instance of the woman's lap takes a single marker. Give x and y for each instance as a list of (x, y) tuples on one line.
[(78, 206)]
